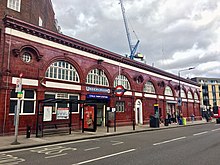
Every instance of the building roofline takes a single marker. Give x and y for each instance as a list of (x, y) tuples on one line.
[(41, 32)]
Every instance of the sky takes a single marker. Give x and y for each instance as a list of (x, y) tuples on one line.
[(174, 34)]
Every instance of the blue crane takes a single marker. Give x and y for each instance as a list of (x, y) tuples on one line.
[(132, 48)]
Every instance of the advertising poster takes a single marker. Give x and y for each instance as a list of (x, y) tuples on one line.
[(47, 113), (62, 113), (89, 116)]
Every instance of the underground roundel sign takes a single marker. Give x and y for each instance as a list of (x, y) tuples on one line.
[(119, 90)]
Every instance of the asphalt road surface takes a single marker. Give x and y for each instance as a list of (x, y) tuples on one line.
[(195, 145)]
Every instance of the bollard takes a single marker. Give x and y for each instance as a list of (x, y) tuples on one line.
[(28, 133), (133, 124)]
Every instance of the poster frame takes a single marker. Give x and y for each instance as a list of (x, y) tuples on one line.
[(50, 114), (85, 117)]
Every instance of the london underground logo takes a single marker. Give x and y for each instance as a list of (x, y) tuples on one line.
[(119, 90)]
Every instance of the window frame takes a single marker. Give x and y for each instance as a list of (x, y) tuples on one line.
[(189, 95), (124, 82), (62, 70), (14, 5), (120, 106), (22, 102), (56, 104), (26, 57), (168, 91), (149, 87), (97, 77), (182, 93), (196, 97)]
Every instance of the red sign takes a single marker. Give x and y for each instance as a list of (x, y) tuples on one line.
[(119, 90), (89, 116)]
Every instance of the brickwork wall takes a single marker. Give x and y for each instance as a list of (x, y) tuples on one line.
[(43, 56), (30, 12)]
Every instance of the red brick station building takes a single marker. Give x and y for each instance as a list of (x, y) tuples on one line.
[(52, 65)]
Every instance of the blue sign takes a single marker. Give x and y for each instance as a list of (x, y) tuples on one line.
[(94, 89), (93, 96)]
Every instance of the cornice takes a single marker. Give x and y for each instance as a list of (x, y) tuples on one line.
[(25, 27)]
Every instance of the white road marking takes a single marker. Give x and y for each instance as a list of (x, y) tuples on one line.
[(51, 145), (116, 143), (216, 129), (196, 134), (104, 157), (55, 156), (10, 160), (94, 148), (168, 141)]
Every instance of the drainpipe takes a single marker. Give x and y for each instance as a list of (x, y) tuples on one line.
[(7, 80)]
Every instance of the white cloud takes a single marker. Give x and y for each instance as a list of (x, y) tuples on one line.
[(174, 34)]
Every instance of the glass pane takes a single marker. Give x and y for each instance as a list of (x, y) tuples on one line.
[(63, 74), (61, 105), (12, 106), (28, 107), (59, 73), (29, 94), (13, 94), (49, 96), (51, 72), (74, 105), (47, 73), (55, 72)]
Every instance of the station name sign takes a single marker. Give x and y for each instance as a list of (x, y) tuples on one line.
[(92, 96), (94, 89)]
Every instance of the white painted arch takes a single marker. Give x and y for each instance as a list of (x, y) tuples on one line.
[(138, 112)]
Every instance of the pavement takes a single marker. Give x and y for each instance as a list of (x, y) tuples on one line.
[(33, 141)]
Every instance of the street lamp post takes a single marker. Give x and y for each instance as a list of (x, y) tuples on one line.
[(179, 99)]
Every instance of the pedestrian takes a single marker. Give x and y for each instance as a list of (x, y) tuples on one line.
[(169, 118), (207, 117), (192, 117)]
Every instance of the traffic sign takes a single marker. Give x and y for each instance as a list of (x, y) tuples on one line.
[(18, 85), (20, 95), (119, 90), (179, 101)]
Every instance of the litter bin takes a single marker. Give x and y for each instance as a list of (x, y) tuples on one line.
[(184, 121), (28, 132), (154, 122), (166, 122)]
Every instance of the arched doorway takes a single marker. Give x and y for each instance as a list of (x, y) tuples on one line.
[(138, 112)]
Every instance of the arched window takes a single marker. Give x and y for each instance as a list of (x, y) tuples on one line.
[(189, 95), (122, 80), (183, 94), (168, 91), (149, 87), (196, 97), (97, 77), (62, 70)]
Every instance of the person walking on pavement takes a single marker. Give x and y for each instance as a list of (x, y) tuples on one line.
[(192, 117), (169, 118), (207, 117)]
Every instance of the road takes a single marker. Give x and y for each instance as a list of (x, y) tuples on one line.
[(199, 144)]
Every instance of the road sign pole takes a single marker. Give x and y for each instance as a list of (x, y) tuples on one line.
[(18, 89), (17, 122)]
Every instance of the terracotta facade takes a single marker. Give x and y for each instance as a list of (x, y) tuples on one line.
[(47, 47)]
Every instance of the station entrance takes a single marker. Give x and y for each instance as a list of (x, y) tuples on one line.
[(101, 102)]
